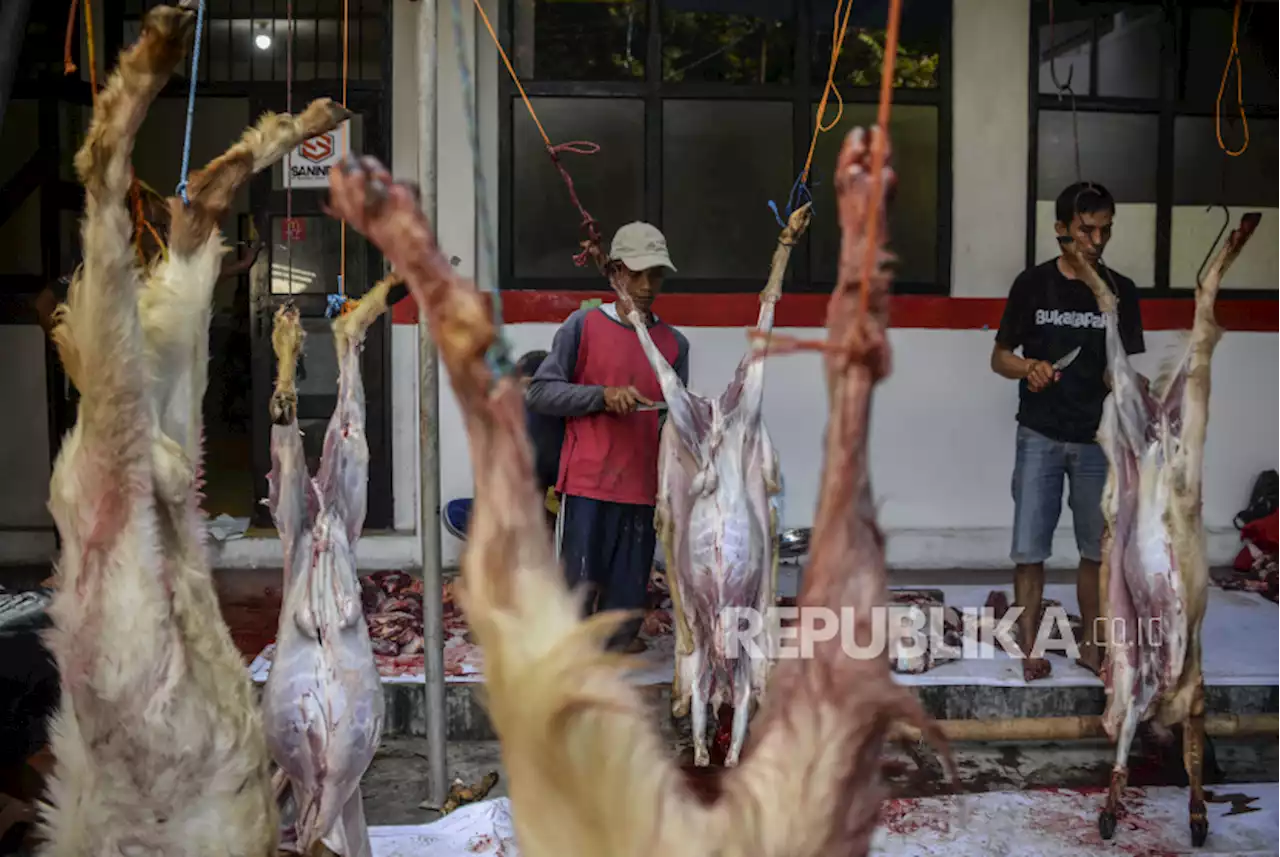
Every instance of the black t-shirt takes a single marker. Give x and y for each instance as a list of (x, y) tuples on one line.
[(1048, 315)]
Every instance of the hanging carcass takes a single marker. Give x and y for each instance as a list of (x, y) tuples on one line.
[(323, 701), (718, 470), (1155, 574), (158, 740), (587, 769)]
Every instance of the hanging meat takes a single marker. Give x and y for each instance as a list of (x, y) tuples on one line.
[(718, 470), (323, 702), (586, 767), (158, 741), (1155, 574)]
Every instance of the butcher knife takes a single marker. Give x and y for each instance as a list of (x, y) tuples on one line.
[(660, 406), (1067, 360)]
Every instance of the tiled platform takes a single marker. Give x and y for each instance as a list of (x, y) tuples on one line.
[(1052, 823), (1241, 673)]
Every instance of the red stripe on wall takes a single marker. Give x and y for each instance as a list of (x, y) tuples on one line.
[(809, 310)]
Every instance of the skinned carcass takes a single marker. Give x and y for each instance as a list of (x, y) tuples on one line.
[(323, 702), (718, 470), (586, 766), (1155, 573), (158, 742)]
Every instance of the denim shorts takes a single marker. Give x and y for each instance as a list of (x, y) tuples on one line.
[(1040, 466)]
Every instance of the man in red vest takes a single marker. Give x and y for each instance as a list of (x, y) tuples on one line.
[(597, 378)]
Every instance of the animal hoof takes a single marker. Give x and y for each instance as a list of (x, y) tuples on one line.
[(283, 408), (1106, 824), (1199, 831), (701, 758)]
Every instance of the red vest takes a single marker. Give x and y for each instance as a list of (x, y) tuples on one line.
[(606, 456)]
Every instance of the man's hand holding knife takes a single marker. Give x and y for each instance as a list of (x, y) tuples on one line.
[(1042, 373)]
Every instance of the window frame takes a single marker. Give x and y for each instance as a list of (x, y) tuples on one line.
[(802, 94), (1168, 106)]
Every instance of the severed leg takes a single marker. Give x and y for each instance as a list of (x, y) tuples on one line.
[(1193, 759), (696, 663), (742, 687), (292, 494), (175, 306)]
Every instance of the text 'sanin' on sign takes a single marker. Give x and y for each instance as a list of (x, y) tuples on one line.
[(309, 164)]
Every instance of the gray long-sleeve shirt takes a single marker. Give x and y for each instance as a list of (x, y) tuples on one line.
[(552, 391)]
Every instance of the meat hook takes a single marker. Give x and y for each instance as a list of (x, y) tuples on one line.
[(1062, 87), (1226, 222)]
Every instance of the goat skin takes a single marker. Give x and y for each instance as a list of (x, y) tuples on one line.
[(323, 703), (718, 472), (157, 742), (1155, 576), (586, 767)]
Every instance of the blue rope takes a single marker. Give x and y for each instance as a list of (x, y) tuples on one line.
[(799, 196), (499, 356), (334, 305), (191, 105)]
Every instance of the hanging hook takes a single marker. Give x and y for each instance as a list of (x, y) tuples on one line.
[(1226, 222), (1062, 86)]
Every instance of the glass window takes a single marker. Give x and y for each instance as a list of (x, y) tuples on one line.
[(1209, 45), (307, 258), (1205, 178), (1117, 150), (722, 161), (728, 41), (1126, 44), (921, 35), (546, 226), (913, 214), (586, 40)]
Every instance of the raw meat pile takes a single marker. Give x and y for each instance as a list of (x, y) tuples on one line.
[(393, 610)]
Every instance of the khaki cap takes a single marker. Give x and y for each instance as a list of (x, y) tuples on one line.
[(640, 246)]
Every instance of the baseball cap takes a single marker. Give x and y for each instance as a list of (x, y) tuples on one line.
[(640, 246)]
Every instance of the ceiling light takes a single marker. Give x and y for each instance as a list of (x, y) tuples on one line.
[(262, 41)]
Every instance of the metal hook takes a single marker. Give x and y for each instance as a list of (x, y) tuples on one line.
[(1053, 63), (1226, 222)]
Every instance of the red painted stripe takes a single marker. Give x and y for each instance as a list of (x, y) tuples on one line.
[(809, 310)]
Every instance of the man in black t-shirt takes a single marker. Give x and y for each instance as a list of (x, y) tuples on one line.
[(1049, 314)]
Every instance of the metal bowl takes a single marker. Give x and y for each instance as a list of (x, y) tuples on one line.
[(793, 542)]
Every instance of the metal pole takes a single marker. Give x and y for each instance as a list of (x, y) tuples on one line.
[(429, 432)]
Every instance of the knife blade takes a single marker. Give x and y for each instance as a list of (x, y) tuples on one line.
[(1067, 360)]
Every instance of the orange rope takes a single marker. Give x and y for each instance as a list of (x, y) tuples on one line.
[(870, 258), (93, 64), (346, 150), (839, 28), (68, 66), (1232, 55), (497, 43)]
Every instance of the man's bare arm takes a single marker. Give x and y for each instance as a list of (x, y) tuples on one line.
[(1006, 364)]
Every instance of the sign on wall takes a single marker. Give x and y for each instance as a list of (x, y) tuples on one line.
[(308, 165)]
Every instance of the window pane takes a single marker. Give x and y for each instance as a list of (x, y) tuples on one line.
[(308, 258), (1203, 179), (1127, 44), (1117, 150), (722, 161), (1209, 44), (587, 40), (921, 37), (913, 214), (728, 41), (610, 184)]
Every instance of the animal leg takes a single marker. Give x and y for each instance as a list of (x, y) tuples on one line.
[(1119, 775), (344, 466), (175, 306), (742, 683), (679, 402), (292, 496), (350, 836), (698, 706), (1193, 759)]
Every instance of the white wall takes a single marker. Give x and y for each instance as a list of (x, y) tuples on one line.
[(943, 425)]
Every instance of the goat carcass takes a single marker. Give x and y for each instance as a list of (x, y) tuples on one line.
[(587, 770), (1155, 574), (323, 700), (718, 470), (158, 741)]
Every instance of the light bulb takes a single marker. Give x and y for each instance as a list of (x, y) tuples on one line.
[(262, 41)]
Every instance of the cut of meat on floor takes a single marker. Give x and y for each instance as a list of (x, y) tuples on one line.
[(323, 701), (1155, 577)]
